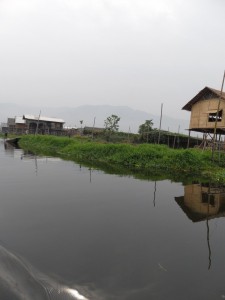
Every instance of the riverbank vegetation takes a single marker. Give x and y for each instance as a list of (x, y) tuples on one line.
[(148, 157)]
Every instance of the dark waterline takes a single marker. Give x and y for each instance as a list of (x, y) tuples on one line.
[(68, 232)]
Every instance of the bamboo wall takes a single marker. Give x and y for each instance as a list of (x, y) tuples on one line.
[(200, 113)]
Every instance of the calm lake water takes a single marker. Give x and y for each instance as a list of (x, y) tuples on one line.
[(68, 232)]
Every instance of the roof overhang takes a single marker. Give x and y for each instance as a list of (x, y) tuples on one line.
[(204, 92)]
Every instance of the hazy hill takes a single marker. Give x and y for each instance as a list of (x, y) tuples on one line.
[(130, 118)]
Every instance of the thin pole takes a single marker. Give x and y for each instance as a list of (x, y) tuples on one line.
[(174, 140), (217, 114), (154, 194), (178, 139), (160, 122), (38, 123), (207, 225), (188, 144), (93, 128), (129, 134), (168, 137)]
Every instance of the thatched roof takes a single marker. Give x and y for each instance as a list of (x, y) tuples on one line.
[(206, 93)]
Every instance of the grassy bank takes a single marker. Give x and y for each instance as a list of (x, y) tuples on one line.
[(154, 158)]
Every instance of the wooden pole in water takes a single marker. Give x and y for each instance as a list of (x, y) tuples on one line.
[(160, 123), (178, 139), (188, 144), (93, 129), (174, 140), (36, 131), (129, 134), (168, 137), (217, 115)]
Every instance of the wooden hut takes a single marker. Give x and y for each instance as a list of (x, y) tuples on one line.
[(207, 113), (203, 108)]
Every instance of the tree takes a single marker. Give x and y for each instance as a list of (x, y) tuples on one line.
[(144, 129), (111, 124)]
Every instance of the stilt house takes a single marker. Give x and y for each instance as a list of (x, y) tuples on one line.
[(205, 110), (43, 124)]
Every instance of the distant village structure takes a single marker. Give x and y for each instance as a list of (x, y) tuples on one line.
[(207, 114), (34, 124), (44, 125)]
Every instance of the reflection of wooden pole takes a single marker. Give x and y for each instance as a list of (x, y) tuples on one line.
[(154, 194), (160, 123), (207, 225)]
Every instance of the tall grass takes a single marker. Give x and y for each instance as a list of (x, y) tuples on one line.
[(144, 156)]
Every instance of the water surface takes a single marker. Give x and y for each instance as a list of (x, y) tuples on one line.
[(70, 232)]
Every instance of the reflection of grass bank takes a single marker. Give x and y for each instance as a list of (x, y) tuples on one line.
[(153, 159)]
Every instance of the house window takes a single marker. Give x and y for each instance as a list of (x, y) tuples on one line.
[(212, 116), (208, 198)]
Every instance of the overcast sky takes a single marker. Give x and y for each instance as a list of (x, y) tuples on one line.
[(137, 53)]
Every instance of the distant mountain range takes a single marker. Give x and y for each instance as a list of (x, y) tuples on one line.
[(130, 119)]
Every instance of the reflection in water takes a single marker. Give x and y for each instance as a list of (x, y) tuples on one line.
[(202, 202), (19, 280), (30, 156), (154, 198), (104, 240)]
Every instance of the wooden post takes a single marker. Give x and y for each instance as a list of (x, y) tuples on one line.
[(93, 129), (129, 134), (174, 140), (160, 123), (168, 138), (178, 139), (36, 131), (188, 143), (217, 114)]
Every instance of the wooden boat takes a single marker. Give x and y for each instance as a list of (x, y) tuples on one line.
[(13, 141)]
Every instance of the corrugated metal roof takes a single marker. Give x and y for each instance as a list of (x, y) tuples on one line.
[(42, 118), (202, 94), (19, 120)]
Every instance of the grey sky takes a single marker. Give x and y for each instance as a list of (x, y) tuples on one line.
[(138, 53)]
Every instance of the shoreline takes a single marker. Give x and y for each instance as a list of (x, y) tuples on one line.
[(135, 158)]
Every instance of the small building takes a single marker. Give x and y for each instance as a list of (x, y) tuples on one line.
[(204, 111), (41, 124), (4, 127), (16, 125)]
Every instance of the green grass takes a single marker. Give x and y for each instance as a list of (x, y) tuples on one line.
[(154, 158)]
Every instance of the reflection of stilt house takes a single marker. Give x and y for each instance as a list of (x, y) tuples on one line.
[(204, 112), (202, 202)]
